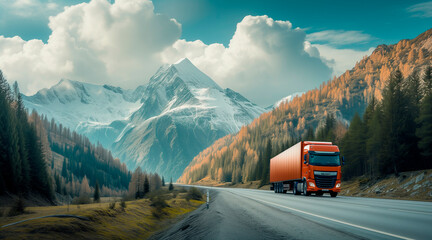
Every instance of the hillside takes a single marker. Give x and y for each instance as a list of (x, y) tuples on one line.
[(47, 163), (77, 164), (234, 158)]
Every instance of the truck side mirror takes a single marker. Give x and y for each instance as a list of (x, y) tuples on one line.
[(343, 160)]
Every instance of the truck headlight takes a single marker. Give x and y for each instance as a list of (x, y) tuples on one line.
[(311, 184), (338, 185)]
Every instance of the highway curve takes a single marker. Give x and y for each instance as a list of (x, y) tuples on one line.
[(257, 214)]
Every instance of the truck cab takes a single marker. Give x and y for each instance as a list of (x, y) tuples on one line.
[(321, 169), (307, 167)]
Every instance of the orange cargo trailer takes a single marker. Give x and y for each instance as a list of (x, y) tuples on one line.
[(307, 167)]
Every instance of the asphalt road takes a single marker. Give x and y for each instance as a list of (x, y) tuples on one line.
[(256, 214)]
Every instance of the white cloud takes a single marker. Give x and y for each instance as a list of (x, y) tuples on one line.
[(30, 8), (423, 10), (339, 37), (94, 42), (124, 43), (265, 60), (341, 59)]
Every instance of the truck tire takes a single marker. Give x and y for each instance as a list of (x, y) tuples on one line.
[(295, 189), (305, 192), (333, 194)]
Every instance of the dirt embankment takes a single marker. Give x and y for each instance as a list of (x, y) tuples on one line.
[(416, 185)]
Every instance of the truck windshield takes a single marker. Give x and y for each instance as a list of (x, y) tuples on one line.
[(324, 160)]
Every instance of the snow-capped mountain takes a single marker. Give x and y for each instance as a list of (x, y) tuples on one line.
[(183, 112), (286, 99), (86, 108), (159, 127)]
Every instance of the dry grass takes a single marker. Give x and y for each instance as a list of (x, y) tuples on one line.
[(134, 221)]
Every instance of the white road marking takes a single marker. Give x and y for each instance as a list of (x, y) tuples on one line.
[(333, 220)]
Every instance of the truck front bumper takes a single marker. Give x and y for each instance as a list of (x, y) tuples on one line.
[(312, 187)]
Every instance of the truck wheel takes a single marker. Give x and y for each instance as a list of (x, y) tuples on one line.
[(305, 192), (333, 194), (295, 189), (274, 188)]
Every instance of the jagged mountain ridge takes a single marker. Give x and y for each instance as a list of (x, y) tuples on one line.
[(183, 112), (160, 126), (343, 97)]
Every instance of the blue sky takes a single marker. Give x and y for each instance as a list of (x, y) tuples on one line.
[(214, 21), (385, 21), (263, 49)]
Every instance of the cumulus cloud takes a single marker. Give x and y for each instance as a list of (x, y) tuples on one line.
[(265, 60), (123, 43), (422, 10), (95, 42), (339, 37)]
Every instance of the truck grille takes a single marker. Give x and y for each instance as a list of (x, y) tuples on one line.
[(325, 181)]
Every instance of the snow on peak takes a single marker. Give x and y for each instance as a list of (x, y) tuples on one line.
[(192, 76), (74, 103), (287, 99), (183, 61)]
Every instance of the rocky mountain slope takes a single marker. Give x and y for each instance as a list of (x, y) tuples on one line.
[(94, 110), (160, 126), (234, 157), (183, 112)]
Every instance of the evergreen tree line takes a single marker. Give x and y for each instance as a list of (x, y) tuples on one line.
[(394, 134), (82, 159), (23, 166)]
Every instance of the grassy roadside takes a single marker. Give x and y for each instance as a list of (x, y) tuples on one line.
[(138, 220)]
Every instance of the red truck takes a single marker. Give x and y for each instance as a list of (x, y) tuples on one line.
[(307, 167)]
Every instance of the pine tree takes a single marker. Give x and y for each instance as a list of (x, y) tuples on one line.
[(146, 185), (354, 146), (57, 183), (374, 140), (395, 122), (21, 125), (424, 121), (424, 132), (265, 164), (171, 186), (310, 136), (96, 196), (64, 170)]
